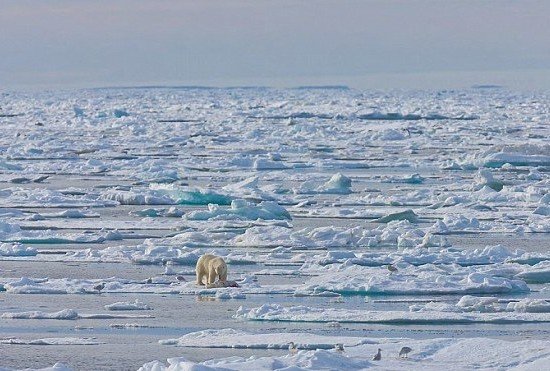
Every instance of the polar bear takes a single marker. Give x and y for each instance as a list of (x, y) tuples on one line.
[(211, 267)]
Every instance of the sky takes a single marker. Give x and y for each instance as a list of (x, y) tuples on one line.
[(364, 44)]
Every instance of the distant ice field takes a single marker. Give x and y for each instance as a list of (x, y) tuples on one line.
[(371, 219)]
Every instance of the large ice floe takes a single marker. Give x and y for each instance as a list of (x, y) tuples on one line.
[(166, 194), (430, 354), (230, 338), (485, 304), (27, 285), (397, 233), (16, 234), (517, 155), (277, 312), (20, 197), (427, 279), (433, 255), (66, 314)]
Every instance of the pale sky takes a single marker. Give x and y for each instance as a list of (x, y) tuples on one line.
[(364, 44)]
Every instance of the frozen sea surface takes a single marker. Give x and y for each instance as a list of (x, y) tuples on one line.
[(309, 195)]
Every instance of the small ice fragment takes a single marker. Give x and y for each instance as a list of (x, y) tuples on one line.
[(402, 215), (118, 113)]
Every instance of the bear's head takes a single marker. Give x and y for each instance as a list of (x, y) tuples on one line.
[(221, 271)]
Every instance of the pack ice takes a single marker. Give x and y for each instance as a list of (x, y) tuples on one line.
[(350, 220)]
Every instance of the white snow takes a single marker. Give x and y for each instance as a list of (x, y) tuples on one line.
[(432, 354)]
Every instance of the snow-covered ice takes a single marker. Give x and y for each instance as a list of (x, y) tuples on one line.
[(434, 354), (136, 305), (417, 212), (231, 338), (276, 312), (409, 279)]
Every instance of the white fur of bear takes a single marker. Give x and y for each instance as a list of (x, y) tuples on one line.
[(211, 267)]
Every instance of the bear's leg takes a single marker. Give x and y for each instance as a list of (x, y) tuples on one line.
[(200, 276), (223, 275), (211, 276)]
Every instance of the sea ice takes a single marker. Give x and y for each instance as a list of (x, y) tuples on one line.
[(268, 164), (241, 209), (51, 341), (337, 184), (231, 338), (538, 273), (56, 367), (517, 155), (148, 197), (277, 312), (192, 196), (437, 167), (16, 249), (427, 279), (482, 304), (65, 314), (408, 215), (124, 305)]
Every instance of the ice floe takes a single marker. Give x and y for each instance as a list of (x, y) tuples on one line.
[(231, 338), (192, 196), (27, 285), (517, 155), (434, 255), (56, 367), (538, 273), (337, 184), (124, 305), (277, 312), (149, 197), (16, 249), (16, 233), (65, 314), (485, 304), (427, 279), (408, 215), (17, 197), (51, 341), (431, 354), (242, 210), (287, 186)]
